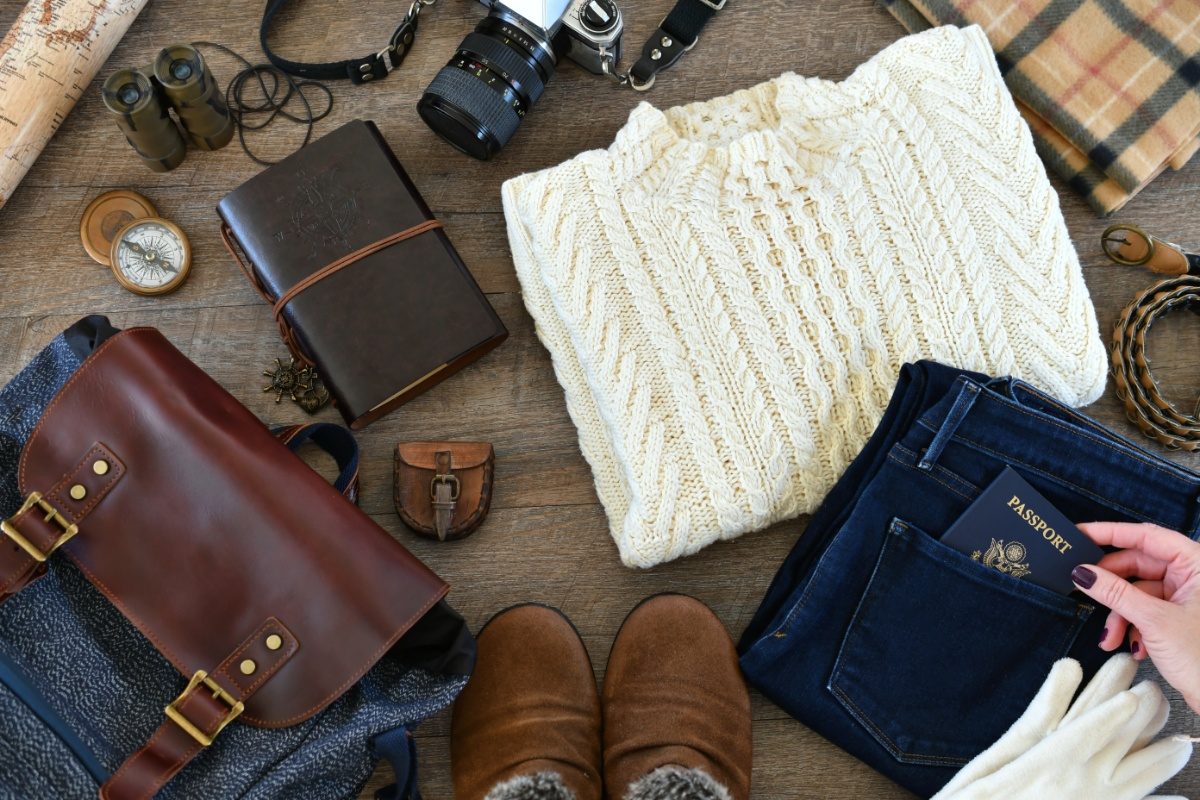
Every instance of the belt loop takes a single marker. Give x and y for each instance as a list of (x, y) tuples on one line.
[(962, 404)]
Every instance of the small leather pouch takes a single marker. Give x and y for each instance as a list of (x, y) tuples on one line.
[(443, 489)]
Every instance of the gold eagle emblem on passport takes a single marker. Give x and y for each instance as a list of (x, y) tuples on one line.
[(1007, 558)]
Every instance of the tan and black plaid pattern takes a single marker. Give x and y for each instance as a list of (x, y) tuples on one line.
[(1110, 88)]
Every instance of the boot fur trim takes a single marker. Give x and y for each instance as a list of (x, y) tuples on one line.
[(539, 786), (677, 783)]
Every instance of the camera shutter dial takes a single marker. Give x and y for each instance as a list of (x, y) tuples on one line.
[(599, 16)]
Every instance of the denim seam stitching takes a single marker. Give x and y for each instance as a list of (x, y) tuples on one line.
[(1063, 481), (853, 708), (932, 474), (890, 744), (1078, 430)]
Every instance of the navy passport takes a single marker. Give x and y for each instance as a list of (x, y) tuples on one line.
[(1013, 529)]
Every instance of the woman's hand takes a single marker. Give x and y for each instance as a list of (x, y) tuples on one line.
[(1162, 604)]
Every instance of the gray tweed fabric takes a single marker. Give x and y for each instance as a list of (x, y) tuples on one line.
[(110, 685)]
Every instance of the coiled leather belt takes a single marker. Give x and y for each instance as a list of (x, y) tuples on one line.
[(1136, 388)]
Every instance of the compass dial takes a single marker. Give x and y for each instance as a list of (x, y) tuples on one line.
[(151, 256)]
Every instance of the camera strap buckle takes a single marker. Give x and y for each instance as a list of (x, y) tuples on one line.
[(676, 34), (358, 70)]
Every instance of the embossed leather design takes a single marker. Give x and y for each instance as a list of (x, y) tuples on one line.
[(212, 526), (388, 326)]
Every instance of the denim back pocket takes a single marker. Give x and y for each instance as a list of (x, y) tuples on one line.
[(943, 653)]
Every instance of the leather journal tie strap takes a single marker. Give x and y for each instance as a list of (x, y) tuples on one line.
[(1144, 404), (201, 711), (278, 305)]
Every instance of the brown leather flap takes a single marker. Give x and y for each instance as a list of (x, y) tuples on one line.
[(214, 527), (421, 455)]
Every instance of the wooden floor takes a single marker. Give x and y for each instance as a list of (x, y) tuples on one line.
[(546, 539)]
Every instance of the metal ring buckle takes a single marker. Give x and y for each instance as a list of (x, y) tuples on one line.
[(641, 87), (714, 6), (450, 479), (175, 715), (52, 515)]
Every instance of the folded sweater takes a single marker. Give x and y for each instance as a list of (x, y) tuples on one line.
[(728, 291)]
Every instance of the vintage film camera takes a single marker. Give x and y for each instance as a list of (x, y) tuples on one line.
[(477, 101)]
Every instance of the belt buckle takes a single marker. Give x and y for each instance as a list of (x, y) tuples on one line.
[(451, 479), (52, 515), (175, 715), (715, 6)]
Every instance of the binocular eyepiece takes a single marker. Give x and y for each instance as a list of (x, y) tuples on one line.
[(178, 79)]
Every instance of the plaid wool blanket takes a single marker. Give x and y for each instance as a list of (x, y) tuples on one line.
[(1110, 88)]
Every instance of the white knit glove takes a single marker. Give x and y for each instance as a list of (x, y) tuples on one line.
[(1096, 748)]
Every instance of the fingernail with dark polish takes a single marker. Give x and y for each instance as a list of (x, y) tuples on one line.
[(1134, 647), (1083, 577), (1103, 635)]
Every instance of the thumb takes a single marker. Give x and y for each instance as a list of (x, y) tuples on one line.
[(1118, 594)]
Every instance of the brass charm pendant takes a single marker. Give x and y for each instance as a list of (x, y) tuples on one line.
[(302, 385)]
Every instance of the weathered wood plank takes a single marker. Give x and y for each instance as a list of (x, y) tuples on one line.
[(547, 538)]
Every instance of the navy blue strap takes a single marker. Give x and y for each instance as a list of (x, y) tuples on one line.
[(333, 439), (398, 748)]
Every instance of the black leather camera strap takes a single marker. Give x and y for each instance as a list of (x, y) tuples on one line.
[(358, 70), (676, 34)]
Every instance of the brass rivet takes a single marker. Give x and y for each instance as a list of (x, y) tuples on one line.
[(274, 641), (100, 466), (248, 666), (367, 77), (78, 492), (666, 41), (655, 54), (364, 67), (408, 38)]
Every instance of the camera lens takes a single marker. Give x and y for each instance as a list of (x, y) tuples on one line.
[(476, 102)]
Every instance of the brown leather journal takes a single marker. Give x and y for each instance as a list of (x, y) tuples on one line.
[(257, 579), (363, 280)]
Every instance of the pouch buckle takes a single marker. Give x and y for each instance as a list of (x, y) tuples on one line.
[(451, 479), (175, 715), (52, 515)]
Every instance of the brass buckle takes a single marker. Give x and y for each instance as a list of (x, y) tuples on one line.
[(447, 478), (175, 715), (52, 515)]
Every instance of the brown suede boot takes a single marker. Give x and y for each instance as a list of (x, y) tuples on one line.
[(527, 727), (676, 709)]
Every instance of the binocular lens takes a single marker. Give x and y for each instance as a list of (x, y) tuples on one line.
[(129, 94), (181, 70)]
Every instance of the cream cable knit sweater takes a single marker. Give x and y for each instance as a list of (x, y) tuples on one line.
[(728, 291)]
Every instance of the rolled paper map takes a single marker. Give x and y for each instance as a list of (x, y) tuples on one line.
[(47, 60)]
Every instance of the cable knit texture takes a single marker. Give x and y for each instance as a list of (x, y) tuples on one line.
[(729, 290)]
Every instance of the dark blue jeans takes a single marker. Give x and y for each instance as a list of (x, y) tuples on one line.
[(905, 652)]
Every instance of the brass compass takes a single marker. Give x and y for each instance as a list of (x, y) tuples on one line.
[(151, 256)]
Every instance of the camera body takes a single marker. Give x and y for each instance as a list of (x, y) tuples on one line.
[(584, 31), (477, 101)]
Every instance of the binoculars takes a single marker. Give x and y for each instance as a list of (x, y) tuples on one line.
[(178, 79)]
